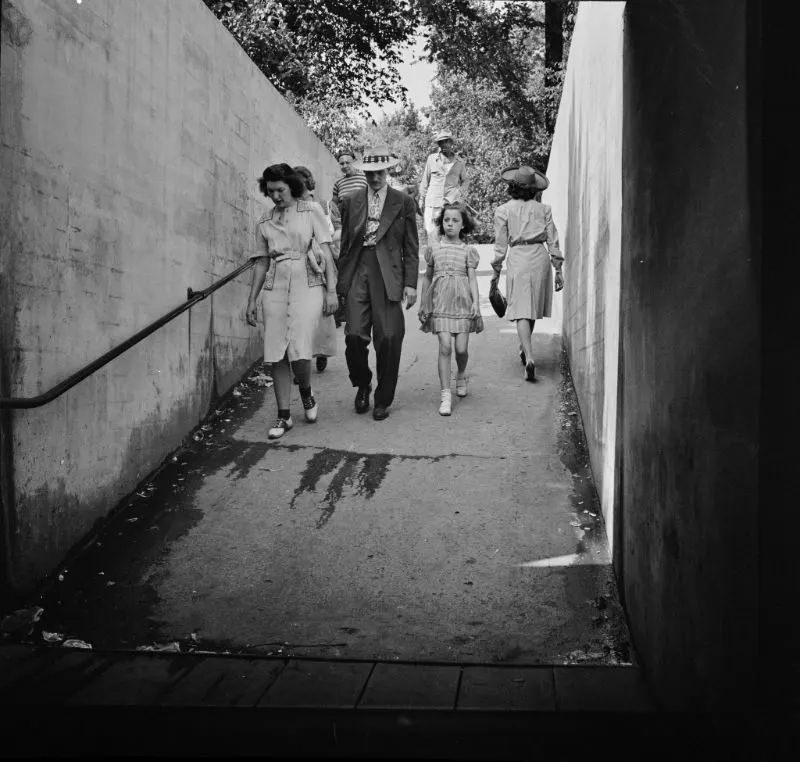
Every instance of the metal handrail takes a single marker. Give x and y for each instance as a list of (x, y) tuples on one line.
[(193, 297)]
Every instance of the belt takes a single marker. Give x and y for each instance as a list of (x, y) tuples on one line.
[(280, 256), (528, 241)]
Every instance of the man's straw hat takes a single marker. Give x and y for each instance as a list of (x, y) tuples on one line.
[(376, 158)]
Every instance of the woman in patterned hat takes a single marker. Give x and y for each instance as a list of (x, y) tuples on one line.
[(525, 233)]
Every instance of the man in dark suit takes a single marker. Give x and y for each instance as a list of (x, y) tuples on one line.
[(378, 269)]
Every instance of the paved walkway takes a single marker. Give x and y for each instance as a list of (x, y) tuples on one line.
[(474, 538)]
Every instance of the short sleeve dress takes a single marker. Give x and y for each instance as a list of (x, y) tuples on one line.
[(293, 293), (521, 230), (448, 299)]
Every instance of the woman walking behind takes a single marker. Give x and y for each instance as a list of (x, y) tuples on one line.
[(522, 227), (296, 289), (323, 344), (450, 304)]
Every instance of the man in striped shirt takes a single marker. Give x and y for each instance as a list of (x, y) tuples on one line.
[(352, 182)]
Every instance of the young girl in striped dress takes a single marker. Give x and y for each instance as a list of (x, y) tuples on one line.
[(450, 304)]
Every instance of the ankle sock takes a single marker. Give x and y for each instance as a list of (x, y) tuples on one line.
[(305, 393), (283, 414)]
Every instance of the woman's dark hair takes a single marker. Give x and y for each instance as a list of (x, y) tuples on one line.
[(344, 152), (308, 178), (524, 192), (281, 173), (467, 223)]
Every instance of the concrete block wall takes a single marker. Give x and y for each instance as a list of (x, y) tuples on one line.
[(132, 135), (585, 173)]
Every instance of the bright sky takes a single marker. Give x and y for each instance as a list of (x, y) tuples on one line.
[(416, 76)]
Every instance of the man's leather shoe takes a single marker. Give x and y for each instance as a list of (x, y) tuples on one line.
[(380, 412), (362, 399)]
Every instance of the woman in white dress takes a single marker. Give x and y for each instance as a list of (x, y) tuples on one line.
[(295, 287), (524, 231)]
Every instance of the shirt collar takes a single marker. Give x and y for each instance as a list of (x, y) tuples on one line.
[(381, 193)]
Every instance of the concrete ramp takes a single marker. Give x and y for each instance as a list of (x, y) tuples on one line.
[(473, 538)]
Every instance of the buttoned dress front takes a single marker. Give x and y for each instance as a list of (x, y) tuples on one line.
[(521, 230), (293, 294)]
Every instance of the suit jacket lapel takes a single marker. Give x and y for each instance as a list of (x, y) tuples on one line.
[(358, 212), (391, 208)]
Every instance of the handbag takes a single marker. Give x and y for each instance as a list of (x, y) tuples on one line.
[(497, 300)]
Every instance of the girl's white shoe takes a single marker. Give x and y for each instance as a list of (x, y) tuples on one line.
[(447, 401), (461, 387)]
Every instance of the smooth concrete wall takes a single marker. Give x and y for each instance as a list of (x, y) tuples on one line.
[(691, 351), (585, 173), (650, 174), (132, 137)]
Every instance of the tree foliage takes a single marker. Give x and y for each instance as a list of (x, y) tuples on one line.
[(501, 107), (330, 58), (499, 44), (330, 118), (492, 91), (345, 50), (472, 109)]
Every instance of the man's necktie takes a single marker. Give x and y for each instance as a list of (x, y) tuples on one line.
[(373, 219)]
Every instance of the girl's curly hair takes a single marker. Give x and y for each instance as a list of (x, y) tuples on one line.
[(468, 223)]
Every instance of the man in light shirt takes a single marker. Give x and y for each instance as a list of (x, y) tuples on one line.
[(444, 181)]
